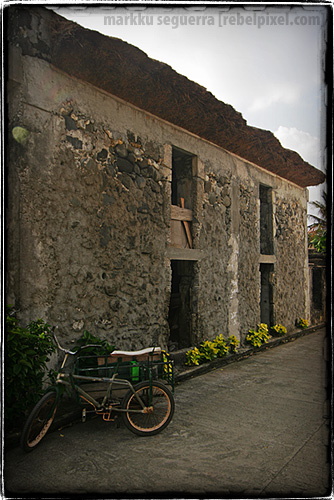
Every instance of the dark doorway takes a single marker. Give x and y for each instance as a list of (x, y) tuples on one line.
[(180, 307), (266, 300), (317, 286)]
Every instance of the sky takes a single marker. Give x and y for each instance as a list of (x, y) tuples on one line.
[(266, 62)]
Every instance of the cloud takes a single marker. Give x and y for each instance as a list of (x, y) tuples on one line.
[(308, 147), (275, 94), (304, 143)]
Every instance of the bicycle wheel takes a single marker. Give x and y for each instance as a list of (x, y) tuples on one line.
[(39, 421), (158, 414)]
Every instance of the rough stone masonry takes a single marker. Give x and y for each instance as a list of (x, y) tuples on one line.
[(89, 211)]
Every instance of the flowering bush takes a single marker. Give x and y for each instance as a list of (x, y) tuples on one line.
[(257, 338), (193, 357), (278, 330), (221, 346), (302, 323), (209, 350), (233, 343)]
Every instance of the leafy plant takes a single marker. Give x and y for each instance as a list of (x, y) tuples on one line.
[(88, 355), (317, 232), (87, 338), (233, 343), (257, 338), (278, 330), (302, 323), (318, 241), (193, 357), (209, 350), (221, 346), (26, 353)]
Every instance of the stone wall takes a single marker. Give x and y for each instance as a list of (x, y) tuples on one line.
[(92, 229), (214, 273), (89, 205), (248, 272), (291, 285)]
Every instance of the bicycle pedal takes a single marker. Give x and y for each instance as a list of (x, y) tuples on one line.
[(83, 417)]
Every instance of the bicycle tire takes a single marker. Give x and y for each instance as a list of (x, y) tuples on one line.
[(39, 421), (160, 415)]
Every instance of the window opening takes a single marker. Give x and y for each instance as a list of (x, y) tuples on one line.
[(266, 221), (181, 198), (181, 178)]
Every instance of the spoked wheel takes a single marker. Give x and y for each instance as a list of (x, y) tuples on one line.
[(158, 411), (39, 421)]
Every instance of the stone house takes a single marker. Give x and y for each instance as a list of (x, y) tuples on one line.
[(139, 207)]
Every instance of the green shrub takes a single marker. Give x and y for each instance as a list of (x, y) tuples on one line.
[(221, 346), (209, 350), (233, 343), (278, 330), (88, 355), (193, 357), (257, 338), (302, 323), (26, 352), (88, 338)]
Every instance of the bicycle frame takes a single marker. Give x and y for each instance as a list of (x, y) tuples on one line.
[(67, 380)]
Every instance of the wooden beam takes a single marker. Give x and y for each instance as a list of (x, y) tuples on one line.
[(186, 226), (267, 259), (174, 253), (182, 214)]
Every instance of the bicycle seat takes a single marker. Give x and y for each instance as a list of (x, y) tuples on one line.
[(141, 355), (148, 350)]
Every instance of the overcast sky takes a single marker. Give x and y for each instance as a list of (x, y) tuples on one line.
[(266, 63)]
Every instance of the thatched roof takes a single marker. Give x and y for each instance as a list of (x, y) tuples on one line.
[(127, 72)]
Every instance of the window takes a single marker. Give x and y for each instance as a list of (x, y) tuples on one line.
[(182, 178), (181, 198), (266, 221)]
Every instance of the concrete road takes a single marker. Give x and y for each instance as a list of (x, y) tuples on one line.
[(254, 428)]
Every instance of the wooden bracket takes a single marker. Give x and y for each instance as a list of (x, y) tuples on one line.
[(186, 226)]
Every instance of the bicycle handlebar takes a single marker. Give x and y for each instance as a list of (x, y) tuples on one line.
[(67, 351)]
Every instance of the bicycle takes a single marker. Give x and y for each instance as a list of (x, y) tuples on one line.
[(147, 407)]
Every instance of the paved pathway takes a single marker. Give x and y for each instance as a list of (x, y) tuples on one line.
[(254, 428)]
